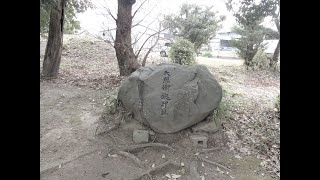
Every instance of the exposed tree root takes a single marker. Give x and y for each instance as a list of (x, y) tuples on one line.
[(54, 168), (153, 170), (113, 139), (194, 175), (209, 150), (133, 157), (214, 163), (138, 146)]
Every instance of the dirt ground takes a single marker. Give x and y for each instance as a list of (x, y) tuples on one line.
[(72, 106)]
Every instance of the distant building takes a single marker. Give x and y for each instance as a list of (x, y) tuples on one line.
[(164, 37), (223, 40), (270, 46)]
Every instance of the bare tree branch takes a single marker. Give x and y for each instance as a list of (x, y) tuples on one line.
[(98, 37), (110, 35), (276, 20), (147, 28), (109, 11), (145, 16), (138, 9), (150, 49), (137, 54)]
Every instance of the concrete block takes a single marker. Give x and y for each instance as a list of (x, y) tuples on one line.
[(199, 140), (140, 136)]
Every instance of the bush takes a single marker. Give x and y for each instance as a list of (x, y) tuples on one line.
[(182, 52), (260, 61), (208, 55), (249, 43)]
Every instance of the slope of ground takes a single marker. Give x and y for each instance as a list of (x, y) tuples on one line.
[(72, 106)]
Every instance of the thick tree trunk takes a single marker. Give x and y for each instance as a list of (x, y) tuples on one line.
[(126, 59), (52, 57), (277, 50)]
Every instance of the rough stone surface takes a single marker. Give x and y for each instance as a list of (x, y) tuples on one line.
[(140, 136), (170, 97), (199, 140), (208, 126), (152, 133)]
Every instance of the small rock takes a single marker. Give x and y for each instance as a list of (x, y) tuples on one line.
[(112, 155), (59, 166), (140, 136), (153, 165), (202, 164), (182, 164), (163, 156), (152, 133)]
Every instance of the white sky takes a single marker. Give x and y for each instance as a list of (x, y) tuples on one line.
[(93, 21)]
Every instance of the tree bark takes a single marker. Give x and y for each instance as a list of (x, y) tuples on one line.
[(52, 57), (277, 50), (126, 59)]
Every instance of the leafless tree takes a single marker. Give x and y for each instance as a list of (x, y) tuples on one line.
[(122, 42)]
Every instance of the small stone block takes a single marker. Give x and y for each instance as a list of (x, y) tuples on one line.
[(140, 136), (199, 140)]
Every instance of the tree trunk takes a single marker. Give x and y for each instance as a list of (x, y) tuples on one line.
[(277, 50), (53, 52), (124, 52)]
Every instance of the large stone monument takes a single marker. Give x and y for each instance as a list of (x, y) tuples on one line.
[(170, 97)]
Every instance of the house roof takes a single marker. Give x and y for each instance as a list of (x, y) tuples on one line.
[(270, 45)]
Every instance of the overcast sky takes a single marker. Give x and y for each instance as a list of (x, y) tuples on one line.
[(93, 21)]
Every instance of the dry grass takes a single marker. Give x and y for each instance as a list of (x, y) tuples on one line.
[(88, 62), (247, 112), (216, 62)]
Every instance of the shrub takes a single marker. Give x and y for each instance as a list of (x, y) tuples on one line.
[(182, 52), (208, 55), (249, 43), (260, 61)]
